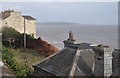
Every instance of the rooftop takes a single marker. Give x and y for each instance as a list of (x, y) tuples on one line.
[(61, 63), (75, 59), (29, 18), (4, 16)]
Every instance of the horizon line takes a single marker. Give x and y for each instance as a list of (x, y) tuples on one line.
[(79, 23)]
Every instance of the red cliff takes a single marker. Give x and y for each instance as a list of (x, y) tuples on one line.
[(43, 47)]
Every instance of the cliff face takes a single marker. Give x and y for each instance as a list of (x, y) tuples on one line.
[(43, 47)]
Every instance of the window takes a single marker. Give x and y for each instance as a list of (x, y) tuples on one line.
[(32, 35)]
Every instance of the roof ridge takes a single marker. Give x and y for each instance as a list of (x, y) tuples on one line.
[(74, 63)]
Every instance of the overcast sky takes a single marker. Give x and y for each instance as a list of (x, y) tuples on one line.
[(100, 13)]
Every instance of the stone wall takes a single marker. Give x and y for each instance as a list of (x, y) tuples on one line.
[(103, 62), (107, 62)]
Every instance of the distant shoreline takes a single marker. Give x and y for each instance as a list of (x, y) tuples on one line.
[(69, 23)]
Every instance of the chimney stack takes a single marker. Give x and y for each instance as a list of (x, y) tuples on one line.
[(102, 61), (70, 40)]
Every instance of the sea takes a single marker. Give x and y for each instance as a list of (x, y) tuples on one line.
[(94, 34)]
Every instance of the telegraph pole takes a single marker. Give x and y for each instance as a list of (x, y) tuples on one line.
[(24, 34)]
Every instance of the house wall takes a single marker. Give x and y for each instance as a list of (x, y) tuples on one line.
[(31, 27), (16, 21)]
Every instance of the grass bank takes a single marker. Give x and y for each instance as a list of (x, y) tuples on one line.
[(21, 60)]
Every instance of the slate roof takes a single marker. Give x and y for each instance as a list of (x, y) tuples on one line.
[(29, 18), (3, 16), (61, 63)]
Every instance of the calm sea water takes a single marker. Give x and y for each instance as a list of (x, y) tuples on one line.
[(55, 34)]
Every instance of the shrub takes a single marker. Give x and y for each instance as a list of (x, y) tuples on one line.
[(9, 33), (19, 70)]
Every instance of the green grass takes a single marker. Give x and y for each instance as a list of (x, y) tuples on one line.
[(28, 57), (21, 60)]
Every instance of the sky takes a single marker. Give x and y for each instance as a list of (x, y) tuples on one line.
[(98, 13), (59, 0)]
